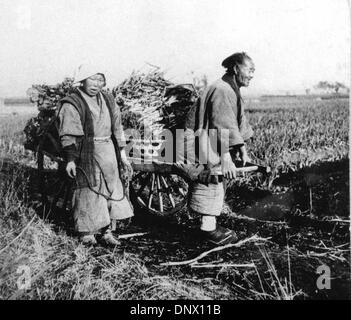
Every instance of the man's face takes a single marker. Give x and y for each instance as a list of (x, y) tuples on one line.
[(244, 73), (93, 85)]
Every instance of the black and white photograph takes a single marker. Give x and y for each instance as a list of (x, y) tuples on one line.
[(174, 150)]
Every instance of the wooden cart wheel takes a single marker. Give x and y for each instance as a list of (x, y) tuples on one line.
[(54, 185), (159, 193)]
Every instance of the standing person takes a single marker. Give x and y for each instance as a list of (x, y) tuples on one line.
[(93, 142), (220, 110)]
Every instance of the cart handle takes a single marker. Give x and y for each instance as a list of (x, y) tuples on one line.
[(148, 165), (240, 168), (218, 172)]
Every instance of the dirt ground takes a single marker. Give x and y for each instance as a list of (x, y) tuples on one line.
[(300, 236), (306, 226)]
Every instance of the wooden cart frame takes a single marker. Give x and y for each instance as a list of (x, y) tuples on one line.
[(157, 187)]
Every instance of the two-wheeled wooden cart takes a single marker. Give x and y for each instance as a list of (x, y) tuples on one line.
[(156, 186)]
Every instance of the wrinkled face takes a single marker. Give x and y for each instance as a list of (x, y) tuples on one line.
[(94, 84), (244, 73)]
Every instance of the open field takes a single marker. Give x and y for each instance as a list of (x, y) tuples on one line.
[(298, 218), (17, 109)]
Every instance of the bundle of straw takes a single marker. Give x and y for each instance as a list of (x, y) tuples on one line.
[(147, 100), (46, 97)]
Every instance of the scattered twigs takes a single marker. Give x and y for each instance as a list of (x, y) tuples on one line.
[(222, 265), (338, 220), (131, 235), (331, 249), (243, 217), (333, 253), (254, 238), (343, 245), (329, 255)]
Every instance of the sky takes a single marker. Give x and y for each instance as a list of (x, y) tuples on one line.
[(294, 43)]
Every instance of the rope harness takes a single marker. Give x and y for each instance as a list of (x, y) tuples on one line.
[(97, 192)]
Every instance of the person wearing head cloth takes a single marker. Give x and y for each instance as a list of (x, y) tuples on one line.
[(93, 142), (218, 120)]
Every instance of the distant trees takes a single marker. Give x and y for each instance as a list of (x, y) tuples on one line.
[(333, 86), (339, 85)]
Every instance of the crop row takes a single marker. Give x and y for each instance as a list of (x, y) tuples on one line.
[(288, 139)]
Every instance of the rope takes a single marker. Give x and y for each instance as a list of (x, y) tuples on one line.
[(97, 192)]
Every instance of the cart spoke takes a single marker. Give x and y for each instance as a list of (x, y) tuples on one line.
[(170, 196), (159, 191), (142, 201), (151, 190), (181, 190)]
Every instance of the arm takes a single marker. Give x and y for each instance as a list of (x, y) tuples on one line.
[(224, 120), (244, 155), (70, 127), (69, 130)]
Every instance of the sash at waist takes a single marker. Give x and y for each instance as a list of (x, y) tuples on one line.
[(102, 139)]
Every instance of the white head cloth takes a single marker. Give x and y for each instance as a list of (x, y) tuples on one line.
[(85, 71)]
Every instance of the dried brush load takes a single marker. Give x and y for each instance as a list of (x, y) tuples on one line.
[(147, 101), (46, 98)]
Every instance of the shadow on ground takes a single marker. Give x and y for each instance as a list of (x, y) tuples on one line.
[(322, 190), (297, 246)]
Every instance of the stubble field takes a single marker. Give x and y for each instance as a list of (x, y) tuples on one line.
[(297, 221)]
